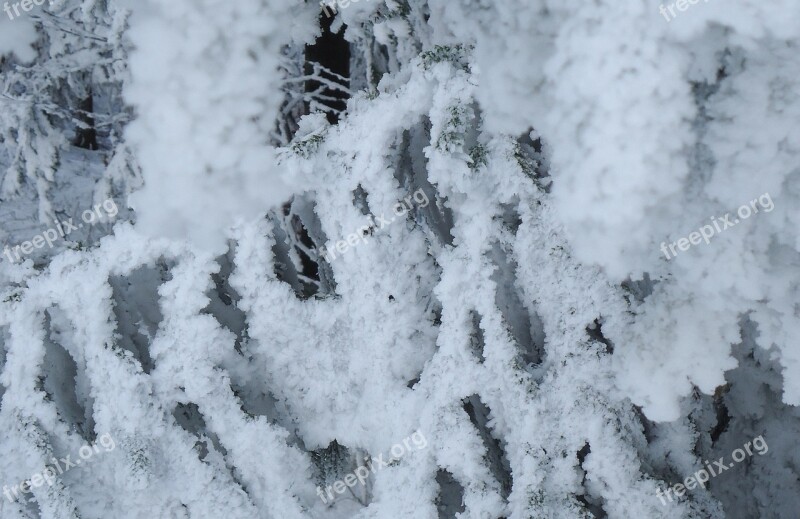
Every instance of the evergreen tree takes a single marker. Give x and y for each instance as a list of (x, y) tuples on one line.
[(399, 259)]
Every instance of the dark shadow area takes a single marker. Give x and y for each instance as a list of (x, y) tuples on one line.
[(137, 310), (591, 504), (332, 52), (495, 454), (86, 135), (450, 500), (59, 381), (524, 324), (191, 420), (595, 333)]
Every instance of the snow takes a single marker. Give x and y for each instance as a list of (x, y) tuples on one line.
[(17, 37), (524, 319)]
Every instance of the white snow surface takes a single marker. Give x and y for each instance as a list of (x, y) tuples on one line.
[(525, 320)]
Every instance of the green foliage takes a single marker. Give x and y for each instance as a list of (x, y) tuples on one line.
[(527, 166), (308, 146), (15, 296), (478, 157), (455, 54), (452, 137)]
